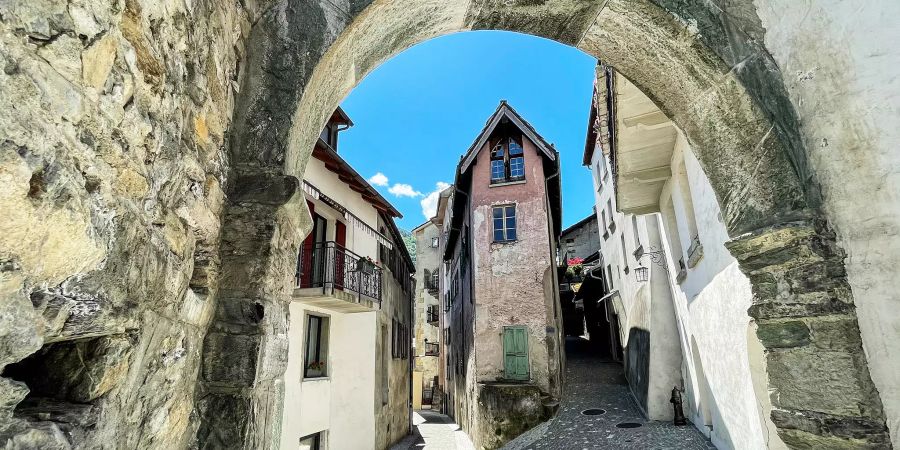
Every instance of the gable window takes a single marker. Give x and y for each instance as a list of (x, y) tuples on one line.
[(435, 241), (507, 161), (315, 363), (505, 223)]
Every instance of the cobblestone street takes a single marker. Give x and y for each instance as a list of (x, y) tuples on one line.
[(434, 431), (594, 383)]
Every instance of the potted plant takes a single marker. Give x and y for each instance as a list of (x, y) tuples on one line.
[(365, 265), (315, 369)]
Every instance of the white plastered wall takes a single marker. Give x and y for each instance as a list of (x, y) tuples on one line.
[(710, 307), (840, 64), (341, 403)]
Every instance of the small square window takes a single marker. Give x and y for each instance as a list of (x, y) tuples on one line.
[(316, 357), (435, 242), (504, 223)]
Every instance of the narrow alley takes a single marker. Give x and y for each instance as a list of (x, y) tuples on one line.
[(592, 384), (434, 431), (597, 412)]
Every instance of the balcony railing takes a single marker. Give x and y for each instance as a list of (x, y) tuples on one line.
[(330, 266)]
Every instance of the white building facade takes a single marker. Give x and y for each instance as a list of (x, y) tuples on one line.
[(348, 369), (669, 274)]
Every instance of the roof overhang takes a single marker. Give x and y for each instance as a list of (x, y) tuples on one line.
[(323, 152), (644, 141), (505, 111)]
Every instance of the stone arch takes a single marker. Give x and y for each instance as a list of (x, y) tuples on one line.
[(705, 69)]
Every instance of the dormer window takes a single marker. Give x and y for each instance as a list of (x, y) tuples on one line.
[(329, 136), (507, 161)]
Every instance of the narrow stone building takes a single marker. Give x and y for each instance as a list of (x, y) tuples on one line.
[(426, 346), (581, 240), (501, 287)]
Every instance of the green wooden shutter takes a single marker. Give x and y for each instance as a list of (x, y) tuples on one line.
[(515, 353)]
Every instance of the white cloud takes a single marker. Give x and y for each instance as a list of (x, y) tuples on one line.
[(430, 202), (404, 190), (379, 179)]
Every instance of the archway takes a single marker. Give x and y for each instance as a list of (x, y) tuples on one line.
[(727, 97)]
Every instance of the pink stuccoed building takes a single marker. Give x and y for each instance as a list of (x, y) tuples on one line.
[(499, 284)]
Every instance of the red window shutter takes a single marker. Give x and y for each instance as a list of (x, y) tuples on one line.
[(340, 234), (304, 263), (340, 262)]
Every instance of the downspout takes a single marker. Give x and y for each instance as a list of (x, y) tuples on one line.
[(411, 297), (463, 306), (556, 309)]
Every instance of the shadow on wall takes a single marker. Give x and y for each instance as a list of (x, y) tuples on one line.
[(637, 365), (705, 412)]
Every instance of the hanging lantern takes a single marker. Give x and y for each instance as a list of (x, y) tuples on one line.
[(641, 273)]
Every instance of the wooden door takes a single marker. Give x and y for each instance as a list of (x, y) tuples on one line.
[(515, 353)]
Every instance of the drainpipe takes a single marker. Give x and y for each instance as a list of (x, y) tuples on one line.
[(560, 351), (411, 305)]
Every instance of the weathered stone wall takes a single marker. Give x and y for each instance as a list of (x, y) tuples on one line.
[(585, 239), (113, 130)]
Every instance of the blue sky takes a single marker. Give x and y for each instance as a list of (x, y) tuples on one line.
[(418, 112)]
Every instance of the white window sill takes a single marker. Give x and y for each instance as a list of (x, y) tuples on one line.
[(507, 183), (326, 378)]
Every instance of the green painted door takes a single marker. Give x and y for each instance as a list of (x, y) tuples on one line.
[(515, 353)]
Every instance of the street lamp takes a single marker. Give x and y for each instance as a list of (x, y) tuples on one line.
[(641, 273), (657, 257)]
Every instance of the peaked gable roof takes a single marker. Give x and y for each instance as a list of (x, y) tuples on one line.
[(505, 111)]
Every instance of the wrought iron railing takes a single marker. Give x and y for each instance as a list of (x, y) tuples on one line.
[(330, 266)]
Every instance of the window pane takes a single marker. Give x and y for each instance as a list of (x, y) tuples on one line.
[(511, 234), (498, 224), (514, 147), (517, 167), (498, 151), (498, 234), (510, 222), (510, 211), (498, 212), (312, 339), (497, 170)]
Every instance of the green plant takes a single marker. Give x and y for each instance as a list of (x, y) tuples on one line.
[(578, 269)]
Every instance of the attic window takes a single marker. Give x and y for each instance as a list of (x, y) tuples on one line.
[(507, 161)]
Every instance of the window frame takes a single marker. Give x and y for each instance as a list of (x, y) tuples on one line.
[(322, 331), (317, 440), (505, 222), (504, 155)]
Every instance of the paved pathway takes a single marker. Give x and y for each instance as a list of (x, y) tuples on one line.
[(434, 431), (595, 383)]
